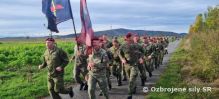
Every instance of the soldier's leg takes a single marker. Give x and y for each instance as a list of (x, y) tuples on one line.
[(108, 73), (91, 87), (127, 71), (156, 61), (163, 53), (124, 73), (161, 57), (166, 51), (77, 75), (114, 72), (51, 85), (108, 78), (151, 64), (103, 86), (59, 86), (148, 68), (119, 71), (142, 74), (132, 81), (84, 73)]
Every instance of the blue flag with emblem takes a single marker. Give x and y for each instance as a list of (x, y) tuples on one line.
[(56, 11)]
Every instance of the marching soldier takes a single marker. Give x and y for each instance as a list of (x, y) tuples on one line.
[(156, 53), (148, 55), (116, 62), (129, 55), (80, 64), (141, 67), (162, 48), (97, 64), (55, 59), (166, 45), (106, 45)]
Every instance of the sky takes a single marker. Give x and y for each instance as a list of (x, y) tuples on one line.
[(24, 17)]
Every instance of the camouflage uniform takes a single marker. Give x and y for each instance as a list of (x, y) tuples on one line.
[(80, 65), (130, 53), (141, 67), (161, 47), (106, 47), (53, 59), (149, 62), (157, 54), (116, 64), (97, 74), (166, 45)]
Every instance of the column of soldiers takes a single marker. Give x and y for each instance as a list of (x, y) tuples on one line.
[(124, 60)]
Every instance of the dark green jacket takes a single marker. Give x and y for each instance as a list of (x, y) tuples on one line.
[(53, 59)]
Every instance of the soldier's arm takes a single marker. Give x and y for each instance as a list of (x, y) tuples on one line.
[(64, 58), (105, 57), (74, 54), (121, 54), (44, 64), (152, 50), (111, 55), (142, 51)]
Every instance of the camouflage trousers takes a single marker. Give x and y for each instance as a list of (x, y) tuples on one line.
[(149, 65), (108, 73), (142, 70), (117, 72), (161, 57), (56, 86), (102, 82), (156, 61), (78, 70), (132, 72), (123, 72)]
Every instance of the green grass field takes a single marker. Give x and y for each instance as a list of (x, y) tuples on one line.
[(20, 77)]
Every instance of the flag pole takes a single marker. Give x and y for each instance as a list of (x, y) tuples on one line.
[(50, 35), (73, 23)]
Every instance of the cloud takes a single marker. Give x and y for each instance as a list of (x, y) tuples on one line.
[(19, 17)]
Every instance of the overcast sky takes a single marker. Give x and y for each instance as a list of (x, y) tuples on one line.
[(24, 17)]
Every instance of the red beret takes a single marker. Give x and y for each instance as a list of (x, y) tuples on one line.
[(128, 35), (145, 37), (95, 39), (100, 39), (50, 39)]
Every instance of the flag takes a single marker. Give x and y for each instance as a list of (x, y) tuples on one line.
[(56, 11), (87, 32)]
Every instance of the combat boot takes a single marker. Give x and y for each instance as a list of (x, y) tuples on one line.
[(150, 74), (110, 86), (71, 93), (81, 86), (129, 97), (142, 82), (85, 86)]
